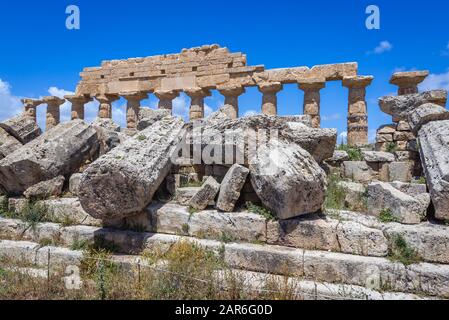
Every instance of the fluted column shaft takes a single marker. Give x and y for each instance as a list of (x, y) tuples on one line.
[(231, 95), (30, 106), (78, 103), (133, 108), (269, 98), (53, 111), (166, 98), (197, 96), (312, 99), (357, 110), (105, 108)]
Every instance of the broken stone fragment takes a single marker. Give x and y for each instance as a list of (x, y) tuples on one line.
[(338, 156), (147, 117), (74, 183), (109, 135), (434, 146), (426, 113), (123, 182), (45, 189), (406, 209), (287, 179), (59, 151), (231, 186), (22, 128), (401, 106), (377, 156), (205, 194), (358, 171), (8, 144)]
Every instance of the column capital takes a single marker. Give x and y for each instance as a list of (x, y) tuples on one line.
[(54, 101), (270, 87), (81, 99), (197, 92), (107, 98), (31, 103), (357, 81), (312, 84), (137, 95), (166, 94), (409, 79), (231, 90)]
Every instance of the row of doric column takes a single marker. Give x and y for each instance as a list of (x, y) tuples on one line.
[(357, 107)]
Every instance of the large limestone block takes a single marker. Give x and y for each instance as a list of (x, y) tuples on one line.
[(231, 186), (400, 171), (287, 179), (205, 195), (401, 106), (354, 193), (69, 209), (123, 182), (426, 113), (22, 128), (8, 144), (19, 251), (45, 189), (358, 171), (148, 117), (377, 156), (434, 145), (406, 209), (59, 151), (109, 135), (74, 183)]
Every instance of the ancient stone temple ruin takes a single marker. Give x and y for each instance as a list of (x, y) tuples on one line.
[(267, 194)]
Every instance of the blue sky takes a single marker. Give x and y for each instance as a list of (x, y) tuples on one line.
[(39, 56)]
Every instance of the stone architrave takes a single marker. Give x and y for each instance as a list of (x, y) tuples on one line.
[(312, 98), (357, 109), (269, 98)]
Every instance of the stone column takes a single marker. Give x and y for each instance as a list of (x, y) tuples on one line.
[(197, 96), (78, 103), (312, 98), (133, 107), (105, 109), (231, 94), (30, 106), (357, 109), (166, 98), (269, 98), (408, 81), (53, 112)]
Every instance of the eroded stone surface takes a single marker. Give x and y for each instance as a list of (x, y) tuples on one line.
[(23, 128), (205, 195), (231, 186), (45, 189)]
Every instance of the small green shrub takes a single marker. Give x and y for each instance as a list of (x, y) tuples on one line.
[(387, 216), (33, 213), (421, 180), (141, 137), (402, 252), (264, 212), (391, 147), (227, 238), (354, 153), (78, 244), (335, 194), (192, 211), (185, 228)]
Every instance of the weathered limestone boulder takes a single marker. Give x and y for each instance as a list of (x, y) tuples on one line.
[(109, 135), (74, 183), (8, 144), (354, 193), (377, 156), (148, 117), (59, 151), (183, 195), (401, 106), (320, 143), (406, 209), (412, 189), (23, 128), (231, 186), (434, 145), (123, 181), (207, 193), (426, 113), (358, 171), (400, 171), (45, 189), (287, 179), (338, 156)]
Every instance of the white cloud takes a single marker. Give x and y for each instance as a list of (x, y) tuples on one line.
[(10, 105), (207, 110), (445, 52), (342, 137), (181, 107), (384, 46), (250, 113), (436, 81), (332, 117)]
